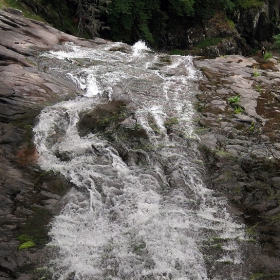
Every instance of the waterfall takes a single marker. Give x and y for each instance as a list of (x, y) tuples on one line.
[(139, 208)]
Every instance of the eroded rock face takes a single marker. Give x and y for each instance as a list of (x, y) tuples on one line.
[(257, 25), (29, 197), (247, 30), (239, 126)]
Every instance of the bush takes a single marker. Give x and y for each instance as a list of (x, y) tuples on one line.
[(209, 42), (233, 101), (277, 40), (267, 55)]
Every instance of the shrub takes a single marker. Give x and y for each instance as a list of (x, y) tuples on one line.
[(234, 103), (277, 40), (256, 72), (209, 42), (234, 100), (267, 55)]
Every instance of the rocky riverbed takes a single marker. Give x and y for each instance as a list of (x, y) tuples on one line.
[(237, 120)]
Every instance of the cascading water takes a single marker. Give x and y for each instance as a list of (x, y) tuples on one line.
[(141, 217)]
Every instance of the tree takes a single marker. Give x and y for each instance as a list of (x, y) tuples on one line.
[(88, 14), (277, 40), (61, 8), (131, 20)]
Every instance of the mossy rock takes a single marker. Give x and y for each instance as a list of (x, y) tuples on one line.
[(103, 117), (34, 233)]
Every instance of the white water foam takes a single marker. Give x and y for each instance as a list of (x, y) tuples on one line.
[(131, 222), (139, 47)]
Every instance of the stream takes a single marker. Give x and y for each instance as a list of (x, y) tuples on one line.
[(138, 208)]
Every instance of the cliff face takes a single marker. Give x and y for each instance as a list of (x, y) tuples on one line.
[(239, 32), (259, 25)]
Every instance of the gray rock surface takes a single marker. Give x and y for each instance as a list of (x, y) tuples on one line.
[(240, 144), (29, 197)]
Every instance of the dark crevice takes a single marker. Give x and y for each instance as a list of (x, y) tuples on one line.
[(16, 50), (10, 23), (7, 271)]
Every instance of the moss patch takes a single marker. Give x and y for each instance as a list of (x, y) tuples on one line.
[(103, 118), (17, 5), (257, 276), (34, 233), (209, 42), (26, 245)]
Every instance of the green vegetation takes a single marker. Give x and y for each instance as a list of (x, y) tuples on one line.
[(233, 101), (252, 231), (238, 110), (138, 126), (153, 125), (245, 4), (201, 131), (209, 42), (256, 72), (257, 276), (152, 21), (26, 245), (231, 24), (275, 218), (170, 122), (267, 55), (25, 242), (43, 273), (259, 89), (277, 40), (222, 153), (252, 126), (34, 232), (18, 5)]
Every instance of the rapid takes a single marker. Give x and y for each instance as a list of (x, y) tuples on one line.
[(138, 208)]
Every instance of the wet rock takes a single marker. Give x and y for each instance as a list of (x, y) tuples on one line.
[(241, 150), (220, 104), (244, 118), (275, 182), (28, 196)]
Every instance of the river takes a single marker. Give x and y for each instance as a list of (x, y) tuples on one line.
[(139, 208)]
